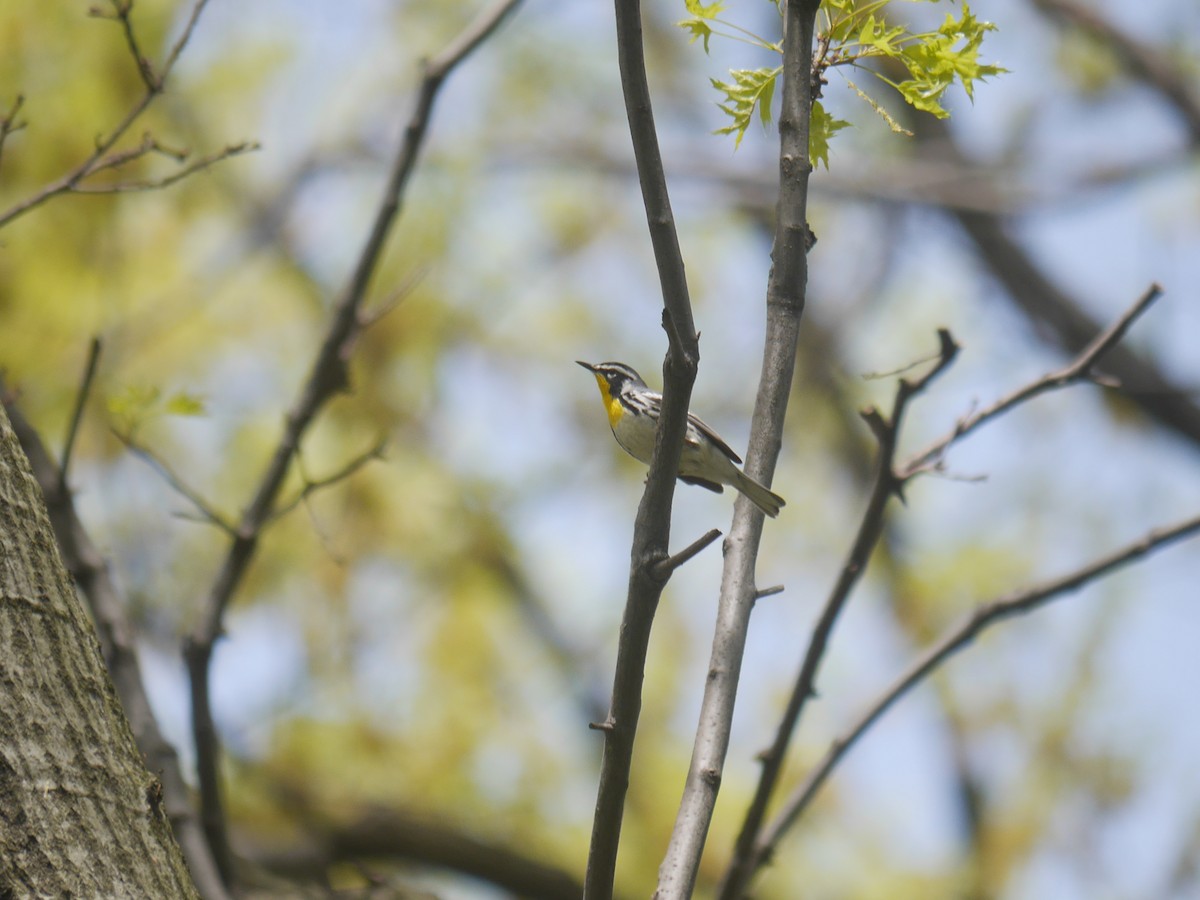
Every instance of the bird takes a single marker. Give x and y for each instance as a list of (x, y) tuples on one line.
[(706, 460)]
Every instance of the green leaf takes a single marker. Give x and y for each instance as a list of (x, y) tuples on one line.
[(750, 88), (185, 404), (883, 40), (856, 31), (765, 96), (697, 29), (704, 10), (821, 129), (134, 405), (133, 402)]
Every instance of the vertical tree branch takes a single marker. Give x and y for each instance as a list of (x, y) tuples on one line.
[(785, 305), (886, 485), (327, 377), (652, 528)]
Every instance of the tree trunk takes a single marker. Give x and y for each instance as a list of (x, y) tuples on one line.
[(79, 814)]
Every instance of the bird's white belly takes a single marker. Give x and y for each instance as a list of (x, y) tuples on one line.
[(636, 435), (699, 457)]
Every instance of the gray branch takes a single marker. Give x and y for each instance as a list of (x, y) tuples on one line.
[(785, 305), (652, 527)]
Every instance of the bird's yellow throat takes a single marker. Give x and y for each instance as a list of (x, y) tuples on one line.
[(611, 403)]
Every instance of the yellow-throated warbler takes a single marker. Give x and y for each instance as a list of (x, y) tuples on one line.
[(707, 460)]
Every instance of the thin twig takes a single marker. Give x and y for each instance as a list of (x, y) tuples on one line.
[(90, 571), (327, 377), (885, 486), (1055, 310), (955, 639), (9, 123), (85, 388), (664, 568), (892, 373), (890, 479), (149, 144), (1079, 369), (71, 180), (402, 292), (176, 482), (154, 184), (312, 486), (652, 526), (122, 10)]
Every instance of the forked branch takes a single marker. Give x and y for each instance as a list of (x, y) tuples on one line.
[(890, 479), (958, 637), (154, 82), (1082, 368), (327, 376), (886, 485)]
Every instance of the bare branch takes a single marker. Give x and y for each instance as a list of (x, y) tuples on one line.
[(149, 144), (154, 184), (327, 377), (955, 639), (85, 387), (70, 181), (369, 317), (312, 486), (1053, 309), (652, 527), (9, 123), (907, 367), (121, 13), (891, 480), (1080, 369), (181, 41), (90, 571), (786, 296), (664, 568), (885, 485), (175, 481)]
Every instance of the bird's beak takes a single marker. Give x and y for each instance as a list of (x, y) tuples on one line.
[(587, 366)]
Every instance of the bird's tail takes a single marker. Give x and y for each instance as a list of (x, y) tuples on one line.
[(765, 499)]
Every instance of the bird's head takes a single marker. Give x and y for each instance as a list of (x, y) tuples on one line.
[(612, 377)]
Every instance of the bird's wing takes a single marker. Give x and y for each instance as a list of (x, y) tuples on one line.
[(714, 437), (655, 406)]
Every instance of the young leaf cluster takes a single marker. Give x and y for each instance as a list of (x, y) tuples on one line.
[(134, 405), (853, 33)]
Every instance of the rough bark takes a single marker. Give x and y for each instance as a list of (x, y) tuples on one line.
[(79, 814)]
